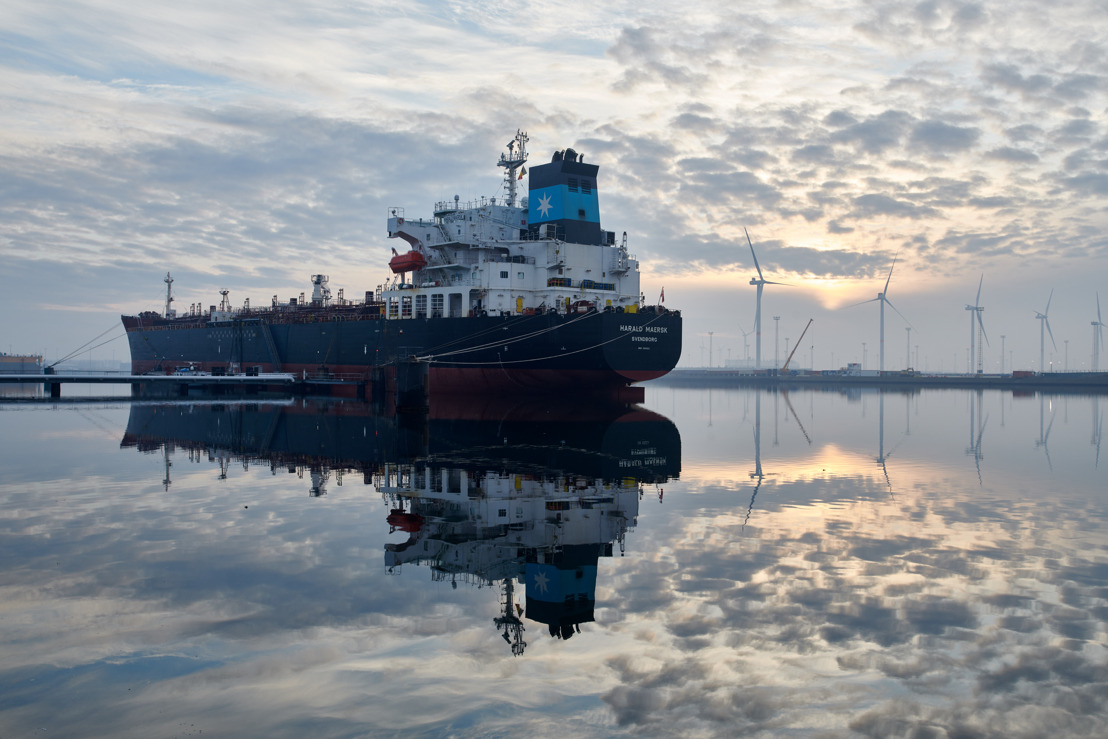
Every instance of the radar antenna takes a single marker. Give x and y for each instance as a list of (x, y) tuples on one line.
[(512, 162)]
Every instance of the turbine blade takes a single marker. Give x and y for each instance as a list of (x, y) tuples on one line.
[(1051, 297), (979, 284), (767, 282), (1098, 318), (756, 266), (871, 300), (889, 303), (891, 272), (981, 323), (1052, 341)]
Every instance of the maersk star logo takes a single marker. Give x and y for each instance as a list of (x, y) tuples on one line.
[(541, 582), (544, 205)]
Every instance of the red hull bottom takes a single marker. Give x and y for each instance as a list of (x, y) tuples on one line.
[(497, 380), (471, 380)]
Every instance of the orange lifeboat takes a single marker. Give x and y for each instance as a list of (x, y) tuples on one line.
[(409, 262), (410, 522)]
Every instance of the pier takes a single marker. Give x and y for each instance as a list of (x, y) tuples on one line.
[(404, 386), (171, 384)]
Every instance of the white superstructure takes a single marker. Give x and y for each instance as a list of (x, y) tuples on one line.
[(490, 257)]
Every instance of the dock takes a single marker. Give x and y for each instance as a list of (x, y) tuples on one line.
[(403, 387), (168, 384)]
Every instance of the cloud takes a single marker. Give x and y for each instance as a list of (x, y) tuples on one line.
[(939, 137), (172, 142), (877, 133), (874, 205), (1011, 154)]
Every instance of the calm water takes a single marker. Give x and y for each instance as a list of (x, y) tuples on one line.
[(725, 563)]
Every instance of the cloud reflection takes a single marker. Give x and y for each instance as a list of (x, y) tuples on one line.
[(844, 606)]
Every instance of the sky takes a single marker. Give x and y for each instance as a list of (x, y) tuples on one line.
[(246, 146)]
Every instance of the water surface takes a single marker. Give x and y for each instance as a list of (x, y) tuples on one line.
[(726, 562)]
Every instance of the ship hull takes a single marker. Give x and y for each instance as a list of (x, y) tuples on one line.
[(506, 354)]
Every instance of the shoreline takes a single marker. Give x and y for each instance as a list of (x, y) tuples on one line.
[(1090, 382)]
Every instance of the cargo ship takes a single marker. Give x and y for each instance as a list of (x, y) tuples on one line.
[(501, 295)]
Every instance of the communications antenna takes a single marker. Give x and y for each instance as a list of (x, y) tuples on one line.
[(512, 162)]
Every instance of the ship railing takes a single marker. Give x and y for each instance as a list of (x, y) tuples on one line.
[(445, 207)]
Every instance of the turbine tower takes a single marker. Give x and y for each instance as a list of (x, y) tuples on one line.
[(1044, 328), (881, 298), (759, 282), (977, 309), (1098, 336)]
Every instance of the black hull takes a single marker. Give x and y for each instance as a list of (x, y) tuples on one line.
[(551, 352), (598, 441)]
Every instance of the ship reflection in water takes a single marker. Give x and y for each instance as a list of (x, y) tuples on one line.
[(487, 494)]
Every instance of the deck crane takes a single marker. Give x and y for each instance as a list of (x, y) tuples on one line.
[(786, 367)]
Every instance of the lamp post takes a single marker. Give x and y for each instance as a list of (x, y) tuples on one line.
[(776, 342)]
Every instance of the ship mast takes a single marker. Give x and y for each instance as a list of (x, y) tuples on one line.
[(168, 293), (512, 162), (509, 623)]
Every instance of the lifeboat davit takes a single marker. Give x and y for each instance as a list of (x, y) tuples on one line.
[(409, 262)]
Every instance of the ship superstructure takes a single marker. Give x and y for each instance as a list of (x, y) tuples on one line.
[(547, 254), (489, 528)]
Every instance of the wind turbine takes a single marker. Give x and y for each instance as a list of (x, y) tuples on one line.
[(1044, 327), (1044, 438), (883, 300), (974, 448), (977, 309), (881, 456), (759, 282), (1098, 427), (1098, 335), (757, 474), (746, 344)]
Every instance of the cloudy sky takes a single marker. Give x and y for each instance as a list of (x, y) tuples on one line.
[(248, 145)]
